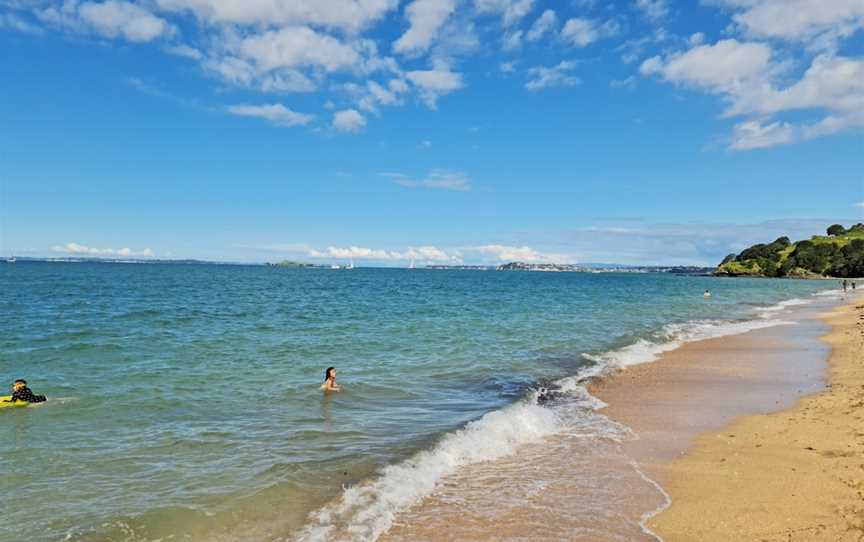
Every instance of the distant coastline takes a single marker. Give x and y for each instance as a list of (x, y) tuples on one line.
[(511, 266)]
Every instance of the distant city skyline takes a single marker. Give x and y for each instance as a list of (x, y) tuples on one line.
[(640, 132)]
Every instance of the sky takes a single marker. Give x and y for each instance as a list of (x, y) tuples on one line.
[(438, 131)]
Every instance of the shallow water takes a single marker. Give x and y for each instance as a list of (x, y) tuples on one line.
[(184, 400)]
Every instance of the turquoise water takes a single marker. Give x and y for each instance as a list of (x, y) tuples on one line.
[(184, 400)]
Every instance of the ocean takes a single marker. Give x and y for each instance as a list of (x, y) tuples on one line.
[(184, 400)]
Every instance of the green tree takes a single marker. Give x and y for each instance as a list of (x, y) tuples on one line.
[(836, 229)]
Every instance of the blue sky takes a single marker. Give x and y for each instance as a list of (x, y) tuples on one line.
[(443, 131)]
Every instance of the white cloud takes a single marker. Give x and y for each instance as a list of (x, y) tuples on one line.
[(373, 94), (511, 11), (504, 253), (653, 9), (627, 82), (555, 76), (830, 82), (423, 253), (111, 19), (583, 32), (507, 67), (746, 75), (798, 20), (298, 46), (512, 40), (82, 250), (352, 252), (291, 59), (276, 113), (348, 121), (185, 51), (437, 179), (426, 17), (696, 39), (286, 81), (544, 24), (722, 67), (754, 135), (429, 254), (435, 83), (860, 204), (347, 15)]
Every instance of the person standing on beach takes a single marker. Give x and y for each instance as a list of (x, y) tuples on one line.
[(330, 380), (845, 285)]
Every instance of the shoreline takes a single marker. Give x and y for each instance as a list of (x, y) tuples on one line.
[(599, 482), (791, 474)]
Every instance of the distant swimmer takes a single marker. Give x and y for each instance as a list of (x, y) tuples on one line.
[(20, 392), (330, 380), (706, 294)]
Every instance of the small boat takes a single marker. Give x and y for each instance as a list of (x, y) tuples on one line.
[(350, 265), (411, 265), (11, 259)]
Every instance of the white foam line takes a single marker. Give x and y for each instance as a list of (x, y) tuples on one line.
[(769, 312), (667, 502), (671, 337)]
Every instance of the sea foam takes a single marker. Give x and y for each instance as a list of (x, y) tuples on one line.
[(671, 337), (365, 511)]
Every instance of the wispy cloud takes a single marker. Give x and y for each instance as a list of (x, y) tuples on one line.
[(489, 254), (440, 179), (698, 243), (83, 250), (556, 76), (426, 253), (277, 114)]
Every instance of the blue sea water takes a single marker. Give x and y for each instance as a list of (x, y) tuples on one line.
[(184, 399)]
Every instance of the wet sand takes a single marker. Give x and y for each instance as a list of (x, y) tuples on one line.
[(603, 485), (795, 475)]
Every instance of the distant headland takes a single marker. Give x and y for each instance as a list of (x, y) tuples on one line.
[(839, 254)]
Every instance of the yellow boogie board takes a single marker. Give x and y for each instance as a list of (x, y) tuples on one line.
[(16, 404)]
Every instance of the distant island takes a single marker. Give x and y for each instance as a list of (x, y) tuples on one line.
[(839, 254), (295, 265)]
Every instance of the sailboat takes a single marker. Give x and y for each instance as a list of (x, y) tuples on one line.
[(411, 265), (350, 265), (11, 259)]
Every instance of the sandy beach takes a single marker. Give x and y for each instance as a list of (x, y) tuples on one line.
[(797, 474)]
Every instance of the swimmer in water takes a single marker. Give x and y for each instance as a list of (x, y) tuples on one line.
[(21, 393), (706, 294), (330, 380)]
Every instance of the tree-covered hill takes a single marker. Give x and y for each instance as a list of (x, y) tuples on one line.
[(838, 254)]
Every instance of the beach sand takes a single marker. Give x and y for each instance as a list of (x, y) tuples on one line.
[(797, 474)]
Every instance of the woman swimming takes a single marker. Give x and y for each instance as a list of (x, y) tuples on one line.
[(330, 380)]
